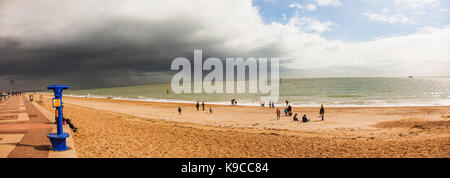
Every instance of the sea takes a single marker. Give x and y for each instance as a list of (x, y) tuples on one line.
[(331, 92)]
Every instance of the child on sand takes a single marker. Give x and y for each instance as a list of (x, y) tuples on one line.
[(210, 110), (304, 118), (278, 114), (295, 117)]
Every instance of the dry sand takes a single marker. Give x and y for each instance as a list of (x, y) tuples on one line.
[(118, 128)]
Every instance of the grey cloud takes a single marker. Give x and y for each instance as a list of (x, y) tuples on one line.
[(121, 48)]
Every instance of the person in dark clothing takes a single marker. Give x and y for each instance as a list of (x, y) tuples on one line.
[(179, 111), (295, 117), (197, 105), (210, 110), (304, 118), (74, 129), (322, 111), (289, 110), (203, 105)]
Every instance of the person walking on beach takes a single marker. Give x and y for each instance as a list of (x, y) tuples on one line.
[(179, 111), (167, 88), (203, 105), (210, 110), (278, 114), (197, 105), (322, 111)]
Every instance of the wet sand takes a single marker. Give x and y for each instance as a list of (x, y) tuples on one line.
[(118, 128)]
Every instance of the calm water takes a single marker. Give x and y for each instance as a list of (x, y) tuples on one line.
[(308, 92)]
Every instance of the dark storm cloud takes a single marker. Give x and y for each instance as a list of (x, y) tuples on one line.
[(119, 47)]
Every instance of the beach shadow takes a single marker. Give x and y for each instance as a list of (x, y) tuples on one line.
[(316, 121), (39, 147), (43, 147)]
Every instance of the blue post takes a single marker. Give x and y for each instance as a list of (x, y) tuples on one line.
[(58, 139)]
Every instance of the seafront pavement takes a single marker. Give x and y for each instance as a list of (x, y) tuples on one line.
[(24, 126)]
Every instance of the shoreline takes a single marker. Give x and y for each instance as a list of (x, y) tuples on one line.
[(252, 104)]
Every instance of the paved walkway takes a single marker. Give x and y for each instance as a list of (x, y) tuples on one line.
[(23, 130)]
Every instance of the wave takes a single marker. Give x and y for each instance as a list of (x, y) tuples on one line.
[(360, 103), (345, 96)]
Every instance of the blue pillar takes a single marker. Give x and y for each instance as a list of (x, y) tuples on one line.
[(58, 139)]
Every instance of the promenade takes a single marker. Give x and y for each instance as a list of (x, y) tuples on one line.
[(24, 126)]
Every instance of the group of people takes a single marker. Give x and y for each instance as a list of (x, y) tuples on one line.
[(197, 106), (271, 104), (288, 112), (304, 118), (4, 95)]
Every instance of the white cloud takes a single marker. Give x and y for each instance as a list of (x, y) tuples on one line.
[(417, 3), (230, 28), (296, 5), (396, 18), (311, 7), (307, 24), (328, 2)]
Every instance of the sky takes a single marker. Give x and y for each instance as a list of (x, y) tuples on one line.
[(359, 20), (101, 43)]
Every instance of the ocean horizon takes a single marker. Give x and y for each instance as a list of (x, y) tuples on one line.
[(306, 92)]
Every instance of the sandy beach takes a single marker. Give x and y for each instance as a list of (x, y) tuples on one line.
[(120, 128)]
